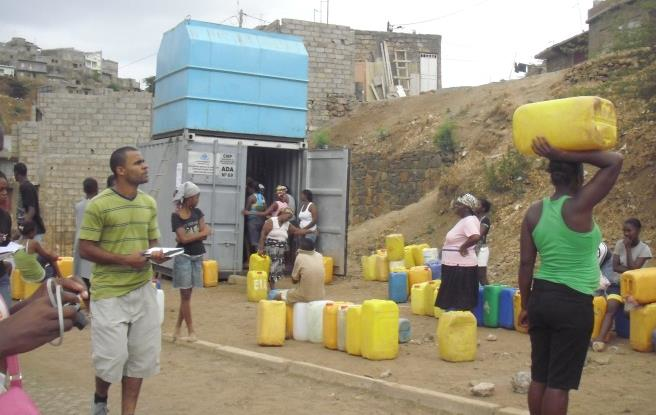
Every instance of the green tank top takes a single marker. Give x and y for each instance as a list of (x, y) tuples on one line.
[(30, 268), (566, 257)]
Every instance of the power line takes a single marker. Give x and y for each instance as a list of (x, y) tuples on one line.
[(443, 16), (256, 18), (225, 20), (138, 60)]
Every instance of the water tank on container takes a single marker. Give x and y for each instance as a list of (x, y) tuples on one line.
[(217, 78)]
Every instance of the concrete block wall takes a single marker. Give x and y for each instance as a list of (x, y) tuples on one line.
[(330, 49), (73, 140), (333, 52), (381, 184), (621, 24)]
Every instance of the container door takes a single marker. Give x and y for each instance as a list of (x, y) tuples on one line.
[(219, 170), (327, 176)]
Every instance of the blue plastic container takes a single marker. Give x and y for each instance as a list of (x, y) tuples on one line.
[(226, 79), (622, 324), (653, 339), (478, 311), (272, 294), (506, 315), (397, 287), (405, 330), (436, 269)]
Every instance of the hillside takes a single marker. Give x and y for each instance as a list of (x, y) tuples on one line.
[(482, 117), (16, 100)]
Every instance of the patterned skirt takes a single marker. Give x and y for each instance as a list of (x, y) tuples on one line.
[(276, 251)]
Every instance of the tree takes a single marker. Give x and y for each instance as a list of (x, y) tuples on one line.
[(150, 84), (17, 89)]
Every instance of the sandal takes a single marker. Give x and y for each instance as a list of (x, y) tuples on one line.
[(191, 339), (598, 346)]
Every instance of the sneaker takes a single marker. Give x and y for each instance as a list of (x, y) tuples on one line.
[(99, 408)]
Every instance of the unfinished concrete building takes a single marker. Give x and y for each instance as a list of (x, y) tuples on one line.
[(347, 65)]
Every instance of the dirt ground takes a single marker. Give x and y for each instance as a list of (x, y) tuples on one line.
[(222, 315), (60, 380)]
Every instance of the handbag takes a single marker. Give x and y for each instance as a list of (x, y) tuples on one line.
[(15, 401)]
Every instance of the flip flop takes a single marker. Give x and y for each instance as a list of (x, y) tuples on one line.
[(598, 346)]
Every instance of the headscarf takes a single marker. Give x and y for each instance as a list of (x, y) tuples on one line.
[(468, 200), (602, 253), (260, 188), (286, 210), (185, 191), (281, 189)]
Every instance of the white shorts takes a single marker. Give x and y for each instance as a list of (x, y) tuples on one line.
[(126, 335), (483, 256)]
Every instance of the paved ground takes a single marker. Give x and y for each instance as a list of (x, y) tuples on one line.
[(193, 382)]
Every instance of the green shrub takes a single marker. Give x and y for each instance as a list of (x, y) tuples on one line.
[(17, 88), (445, 139), (508, 173), (18, 109), (382, 134), (114, 87), (321, 138)]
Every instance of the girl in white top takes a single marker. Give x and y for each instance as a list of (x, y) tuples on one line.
[(308, 214), (273, 242)]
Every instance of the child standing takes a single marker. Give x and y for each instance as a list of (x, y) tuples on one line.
[(188, 223), (27, 259)]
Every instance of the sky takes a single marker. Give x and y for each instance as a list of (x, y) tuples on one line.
[(481, 39)]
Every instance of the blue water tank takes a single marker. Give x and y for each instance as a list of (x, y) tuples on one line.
[(506, 314), (397, 287), (224, 79)]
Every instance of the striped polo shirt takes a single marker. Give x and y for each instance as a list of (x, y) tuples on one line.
[(121, 226)]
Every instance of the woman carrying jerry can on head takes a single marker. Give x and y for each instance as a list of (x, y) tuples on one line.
[(557, 298), (188, 223)]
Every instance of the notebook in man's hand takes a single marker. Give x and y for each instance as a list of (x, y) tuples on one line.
[(168, 252)]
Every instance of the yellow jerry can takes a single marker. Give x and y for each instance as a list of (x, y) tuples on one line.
[(380, 329), (354, 330), (271, 321), (572, 124), (456, 336)]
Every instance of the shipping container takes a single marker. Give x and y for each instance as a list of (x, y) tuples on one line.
[(220, 166), (231, 104)]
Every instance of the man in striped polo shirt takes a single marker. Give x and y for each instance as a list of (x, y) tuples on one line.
[(119, 224)]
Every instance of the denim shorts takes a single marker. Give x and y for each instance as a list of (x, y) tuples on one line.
[(188, 271)]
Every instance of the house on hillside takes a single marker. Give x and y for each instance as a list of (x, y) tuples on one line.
[(621, 24), (613, 25), (7, 70), (64, 69), (567, 53)]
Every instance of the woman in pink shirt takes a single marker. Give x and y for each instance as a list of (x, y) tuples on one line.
[(459, 288)]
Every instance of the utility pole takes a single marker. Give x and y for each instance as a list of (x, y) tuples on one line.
[(241, 17), (327, 8)]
